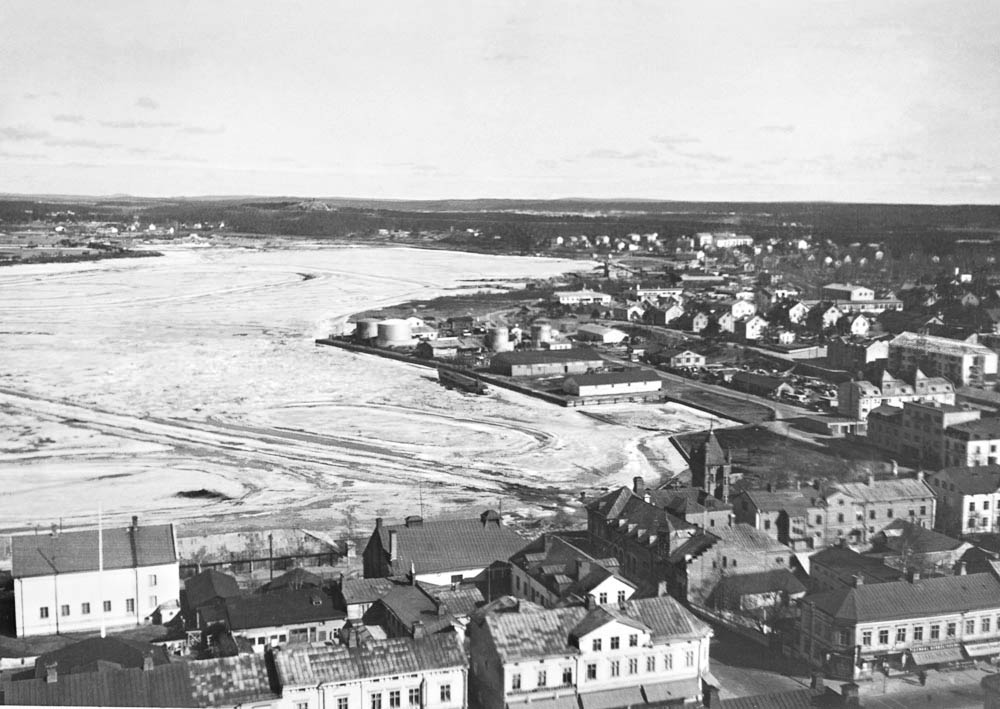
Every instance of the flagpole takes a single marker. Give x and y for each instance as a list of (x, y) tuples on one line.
[(100, 567)]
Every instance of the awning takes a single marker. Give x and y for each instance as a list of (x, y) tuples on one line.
[(982, 649), (671, 691), (566, 701), (612, 698), (936, 656)]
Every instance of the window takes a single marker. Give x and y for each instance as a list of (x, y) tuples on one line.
[(377, 700), (923, 509), (871, 515), (840, 516), (767, 524), (282, 638), (64, 609), (414, 696), (972, 507), (445, 694), (951, 630), (819, 519), (591, 670), (153, 602), (542, 678), (301, 705), (734, 563), (43, 612), (130, 605), (689, 658), (633, 640), (935, 632), (152, 579), (984, 625), (844, 637), (341, 702), (970, 627), (621, 596), (986, 504), (651, 664), (602, 598), (918, 633), (883, 637), (517, 583), (615, 668), (515, 681), (107, 606), (900, 635), (567, 675), (85, 608), (596, 645), (888, 513), (394, 699), (633, 665), (615, 643), (866, 637), (456, 578)]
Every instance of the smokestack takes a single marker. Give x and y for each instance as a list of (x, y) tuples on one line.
[(920, 476), (378, 524), (418, 630), (817, 681), (393, 545), (638, 486), (591, 602)]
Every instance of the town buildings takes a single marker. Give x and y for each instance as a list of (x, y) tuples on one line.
[(962, 363), (793, 516), (545, 362), (840, 567), (582, 297), (918, 432), (855, 354), (629, 381), (643, 652), (856, 399), (63, 585), (968, 499), (857, 510)]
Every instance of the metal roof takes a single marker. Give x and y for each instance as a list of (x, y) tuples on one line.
[(276, 608), (896, 489), (976, 480), (69, 552), (635, 374), (575, 354)]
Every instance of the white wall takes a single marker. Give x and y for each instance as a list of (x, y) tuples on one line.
[(358, 693)]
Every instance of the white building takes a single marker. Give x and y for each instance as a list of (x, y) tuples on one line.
[(968, 499), (430, 673), (58, 587), (631, 381), (599, 333), (649, 651), (582, 297), (847, 291), (963, 363), (653, 292), (751, 328)]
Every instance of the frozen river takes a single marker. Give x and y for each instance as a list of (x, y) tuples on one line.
[(137, 382)]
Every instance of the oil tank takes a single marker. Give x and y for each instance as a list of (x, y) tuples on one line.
[(541, 332), (366, 329), (498, 339), (394, 332)]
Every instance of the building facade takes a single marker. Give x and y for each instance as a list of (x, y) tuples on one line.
[(962, 363), (967, 499), (855, 511)]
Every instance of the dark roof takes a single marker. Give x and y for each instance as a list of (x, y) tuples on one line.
[(84, 656), (575, 354), (793, 501), (976, 480), (983, 429), (759, 381), (308, 666), (760, 582), (230, 681), (164, 686), (68, 552), (647, 518), (210, 585), (903, 599), (565, 569), (847, 563), (365, 590), (905, 536), (635, 374), (436, 608), (272, 609), (789, 699), (683, 501), (296, 578), (450, 545)]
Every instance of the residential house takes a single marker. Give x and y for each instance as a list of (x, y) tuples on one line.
[(699, 321), (905, 546), (642, 652), (430, 673), (797, 313), (693, 505), (858, 325), (630, 381), (972, 443), (413, 609), (853, 354), (738, 308), (439, 552), (727, 322), (786, 337), (914, 623), (545, 362), (968, 499), (762, 594), (840, 567), (359, 595), (823, 316), (856, 399), (664, 314), (656, 291), (634, 312), (857, 510), (208, 588), (61, 585), (678, 359), (962, 363), (751, 328)]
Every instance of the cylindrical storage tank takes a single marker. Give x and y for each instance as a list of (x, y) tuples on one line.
[(541, 332), (498, 339), (366, 329), (394, 332)]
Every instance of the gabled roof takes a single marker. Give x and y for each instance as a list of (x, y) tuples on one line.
[(902, 536), (84, 655), (635, 374), (365, 590), (601, 616), (683, 501), (846, 564), (436, 608), (437, 546), (309, 666), (794, 501), (884, 490), (746, 538), (644, 517), (69, 552), (230, 681), (210, 585), (976, 480), (163, 686), (575, 354), (760, 582), (903, 599), (296, 578), (981, 430), (272, 609), (565, 569)]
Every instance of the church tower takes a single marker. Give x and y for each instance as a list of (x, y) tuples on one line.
[(711, 468)]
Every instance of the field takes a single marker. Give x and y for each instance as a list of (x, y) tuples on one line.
[(188, 388)]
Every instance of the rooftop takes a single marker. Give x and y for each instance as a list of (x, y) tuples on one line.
[(977, 480), (272, 609), (209, 585), (797, 500), (981, 430), (70, 552), (883, 490), (942, 345), (575, 354), (903, 537), (635, 374), (846, 564), (759, 582)]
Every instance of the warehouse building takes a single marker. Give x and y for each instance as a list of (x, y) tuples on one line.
[(631, 381), (546, 363)]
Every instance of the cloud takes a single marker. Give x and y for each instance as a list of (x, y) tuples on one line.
[(672, 142), (68, 118), (30, 96), (202, 130), (703, 156), (506, 57), (147, 103), (20, 156), (19, 134), (139, 124), (785, 128), (139, 151), (178, 157), (79, 143), (612, 154)]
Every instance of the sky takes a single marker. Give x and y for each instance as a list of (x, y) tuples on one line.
[(887, 101)]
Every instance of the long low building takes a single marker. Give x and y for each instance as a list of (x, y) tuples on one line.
[(542, 363), (631, 381), (599, 333)]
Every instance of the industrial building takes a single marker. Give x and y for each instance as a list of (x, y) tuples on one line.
[(599, 333), (631, 381), (546, 362), (962, 363)]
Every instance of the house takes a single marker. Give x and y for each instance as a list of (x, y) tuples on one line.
[(823, 316), (629, 381), (601, 334), (905, 546), (664, 314), (545, 362), (853, 354), (678, 359), (693, 505), (856, 399), (59, 586), (439, 552), (413, 609), (564, 569), (632, 313), (654, 291), (431, 673), (797, 313), (914, 623), (359, 595), (727, 322), (857, 510), (968, 499), (92, 654), (738, 308), (761, 385), (786, 337), (269, 619), (208, 588), (793, 517), (699, 321), (448, 348), (962, 363), (858, 325), (751, 328), (918, 431), (642, 652), (760, 594), (840, 567), (972, 443), (582, 297), (847, 291)]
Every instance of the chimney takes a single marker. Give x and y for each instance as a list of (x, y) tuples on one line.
[(52, 673), (147, 661), (816, 681), (661, 589), (920, 476), (638, 486), (135, 522), (871, 480), (912, 575), (418, 629), (850, 694), (960, 569), (712, 699), (731, 518), (55, 530), (582, 569), (591, 602), (393, 545), (770, 487), (859, 580), (440, 607), (378, 524)]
